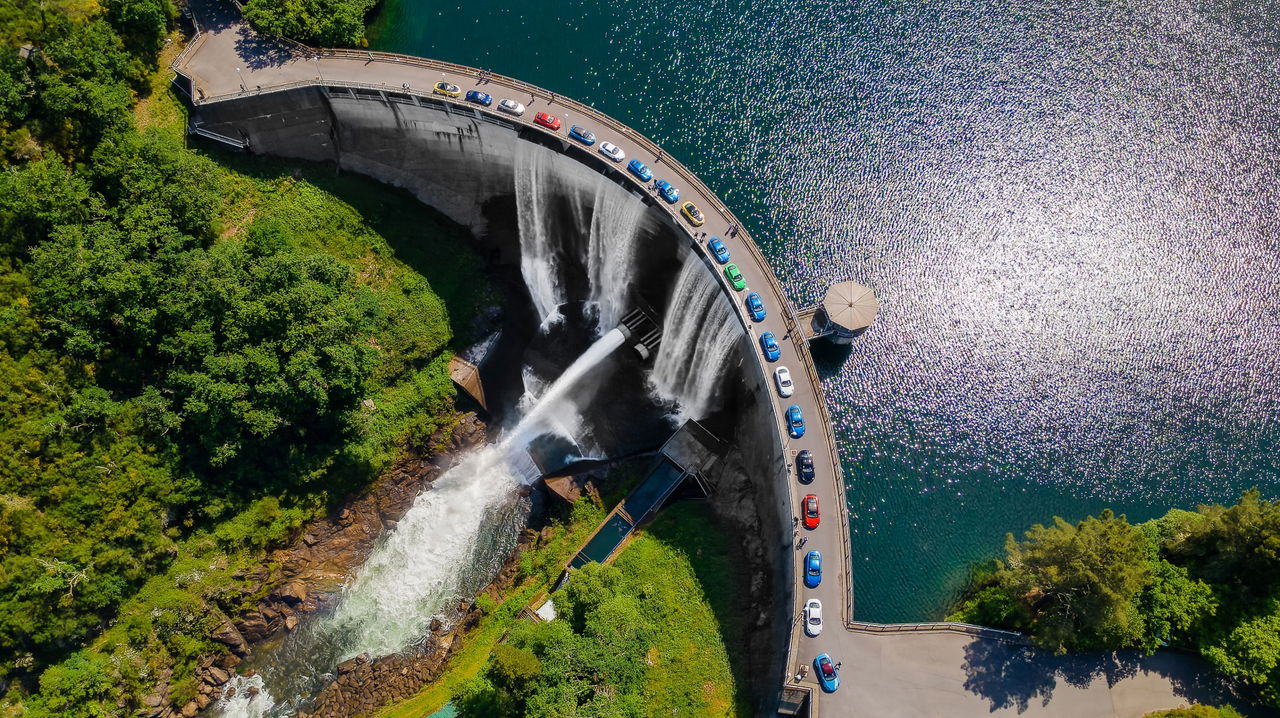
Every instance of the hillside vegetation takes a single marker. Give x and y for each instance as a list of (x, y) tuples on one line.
[(195, 357), (1208, 580)]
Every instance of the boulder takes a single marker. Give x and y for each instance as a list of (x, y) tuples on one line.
[(292, 593), (218, 675), (229, 636)]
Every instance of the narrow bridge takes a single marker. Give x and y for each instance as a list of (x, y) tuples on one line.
[(918, 669)]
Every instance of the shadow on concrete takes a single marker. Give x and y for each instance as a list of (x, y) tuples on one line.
[(260, 52), (1013, 677)]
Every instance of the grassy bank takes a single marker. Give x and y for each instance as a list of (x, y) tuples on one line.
[(654, 633)]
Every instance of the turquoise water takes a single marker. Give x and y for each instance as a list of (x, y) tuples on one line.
[(1069, 211)]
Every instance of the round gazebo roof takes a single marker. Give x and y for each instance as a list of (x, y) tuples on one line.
[(851, 305)]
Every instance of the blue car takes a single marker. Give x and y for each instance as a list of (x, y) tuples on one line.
[(755, 306), (826, 672), (813, 569), (480, 98), (717, 248), (667, 192), (795, 421), (639, 170), (586, 137), (770, 347)]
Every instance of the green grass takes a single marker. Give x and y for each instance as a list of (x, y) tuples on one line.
[(691, 672)]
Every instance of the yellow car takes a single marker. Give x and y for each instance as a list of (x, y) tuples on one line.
[(446, 89), (692, 213)]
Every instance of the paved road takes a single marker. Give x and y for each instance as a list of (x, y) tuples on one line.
[(912, 674)]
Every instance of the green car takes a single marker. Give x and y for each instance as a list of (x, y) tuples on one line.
[(735, 277)]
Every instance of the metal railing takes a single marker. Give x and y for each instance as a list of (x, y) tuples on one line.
[(940, 627)]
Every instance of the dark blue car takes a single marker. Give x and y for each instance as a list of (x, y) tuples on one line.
[(770, 347), (827, 674), (666, 191), (795, 421), (586, 137), (813, 569), (638, 169), (717, 248), (755, 306), (480, 98), (804, 464)]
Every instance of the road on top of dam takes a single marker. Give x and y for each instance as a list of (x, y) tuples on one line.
[(916, 670)]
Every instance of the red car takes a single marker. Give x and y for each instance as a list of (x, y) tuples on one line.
[(551, 122), (811, 512)]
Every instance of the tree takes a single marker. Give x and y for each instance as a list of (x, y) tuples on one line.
[(1237, 546), (1251, 652), (1080, 582)]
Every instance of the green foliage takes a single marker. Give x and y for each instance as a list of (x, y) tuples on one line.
[(635, 638), (1208, 579), (1197, 711), (322, 22)]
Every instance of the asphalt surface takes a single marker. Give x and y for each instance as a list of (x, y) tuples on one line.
[(911, 674)]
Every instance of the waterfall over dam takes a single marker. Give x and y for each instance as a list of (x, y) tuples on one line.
[(699, 334)]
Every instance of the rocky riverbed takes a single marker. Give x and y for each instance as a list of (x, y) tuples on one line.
[(301, 578)]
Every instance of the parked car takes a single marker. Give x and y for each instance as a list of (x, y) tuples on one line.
[(735, 277), (692, 213), (755, 306), (586, 137), (447, 89), (511, 107), (547, 120), (480, 98), (612, 151), (719, 250), (811, 518), (782, 376), (795, 421), (770, 347), (812, 618), (637, 168), (825, 670), (813, 569), (667, 192), (804, 466)]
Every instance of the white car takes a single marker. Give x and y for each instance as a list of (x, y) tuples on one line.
[(612, 151), (511, 107), (786, 387), (812, 617)]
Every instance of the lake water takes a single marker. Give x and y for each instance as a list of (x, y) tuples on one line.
[(1068, 210)]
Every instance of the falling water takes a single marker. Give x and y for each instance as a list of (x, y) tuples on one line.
[(611, 249), (539, 259), (448, 545), (698, 334)]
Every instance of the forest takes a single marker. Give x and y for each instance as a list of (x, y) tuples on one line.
[(1206, 580), (196, 356)]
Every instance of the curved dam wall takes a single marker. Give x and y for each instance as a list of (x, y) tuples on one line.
[(466, 163)]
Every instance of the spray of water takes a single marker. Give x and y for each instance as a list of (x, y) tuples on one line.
[(698, 335), (611, 251), (539, 257), (445, 549)]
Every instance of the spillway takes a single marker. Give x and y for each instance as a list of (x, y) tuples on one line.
[(698, 335), (540, 261)]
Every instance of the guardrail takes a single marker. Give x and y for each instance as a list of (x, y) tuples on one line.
[(940, 627)]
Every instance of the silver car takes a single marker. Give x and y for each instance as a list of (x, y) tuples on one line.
[(782, 376), (612, 151), (511, 107), (812, 617)]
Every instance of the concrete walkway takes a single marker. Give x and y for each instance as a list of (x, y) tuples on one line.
[(884, 674)]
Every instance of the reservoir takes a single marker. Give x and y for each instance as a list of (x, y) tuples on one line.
[(1068, 210)]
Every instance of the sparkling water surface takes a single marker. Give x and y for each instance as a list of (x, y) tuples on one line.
[(1068, 210)]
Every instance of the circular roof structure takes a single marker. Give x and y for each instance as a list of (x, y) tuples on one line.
[(851, 305)]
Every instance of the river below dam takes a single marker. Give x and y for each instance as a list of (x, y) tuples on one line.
[(1068, 210)]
